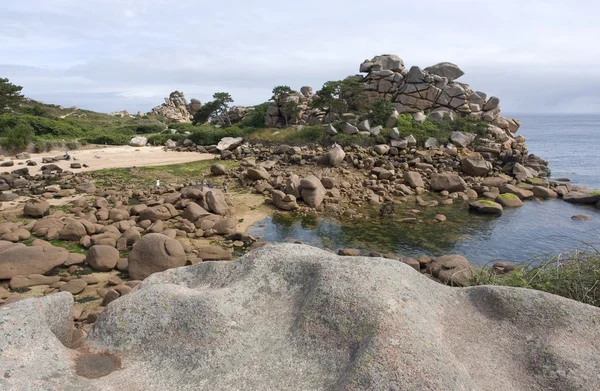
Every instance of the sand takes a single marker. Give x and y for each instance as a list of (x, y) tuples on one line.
[(114, 157)]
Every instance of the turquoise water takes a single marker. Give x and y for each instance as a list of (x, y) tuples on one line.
[(572, 147)]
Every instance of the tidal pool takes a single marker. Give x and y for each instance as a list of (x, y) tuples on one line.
[(537, 229)]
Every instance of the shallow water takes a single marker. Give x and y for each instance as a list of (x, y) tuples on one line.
[(571, 144), (518, 235)]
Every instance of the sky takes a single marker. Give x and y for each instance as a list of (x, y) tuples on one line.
[(110, 55)]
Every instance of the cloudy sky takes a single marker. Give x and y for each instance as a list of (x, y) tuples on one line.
[(108, 55)]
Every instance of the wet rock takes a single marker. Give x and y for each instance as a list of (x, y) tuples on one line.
[(486, 207)]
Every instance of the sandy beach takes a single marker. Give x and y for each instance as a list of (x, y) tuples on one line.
[(113, 157)]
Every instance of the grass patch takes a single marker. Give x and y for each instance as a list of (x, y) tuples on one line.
[(575, 276), (86, 299), (73, 247), (289, 136), (146, 176)]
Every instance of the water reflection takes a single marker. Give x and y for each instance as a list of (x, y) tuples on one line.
[(518, 235)]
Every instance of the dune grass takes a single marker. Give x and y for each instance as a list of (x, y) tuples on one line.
[(575, 276)]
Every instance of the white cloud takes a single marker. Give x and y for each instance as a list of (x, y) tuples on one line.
[(109, 53)]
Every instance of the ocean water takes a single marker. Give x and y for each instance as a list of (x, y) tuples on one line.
[(571, 145)]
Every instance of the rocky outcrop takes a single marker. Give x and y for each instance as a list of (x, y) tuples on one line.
[(177, 109), (339, 323), (432, 92)]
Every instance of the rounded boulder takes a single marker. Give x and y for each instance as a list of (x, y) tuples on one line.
[(154, 253), (102, 257)]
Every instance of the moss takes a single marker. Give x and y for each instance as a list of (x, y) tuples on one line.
[(508, 196), (486, 202), (595, 192), (73, 247)]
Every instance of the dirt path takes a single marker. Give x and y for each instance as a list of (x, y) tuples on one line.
[(115, 157)]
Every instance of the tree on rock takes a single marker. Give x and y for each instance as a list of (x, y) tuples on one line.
[(338, 97), (287, 102), (216, 109), (10, 96)]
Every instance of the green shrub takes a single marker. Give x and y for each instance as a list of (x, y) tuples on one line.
[(109, 138), (18, 137), (72, 144), (576, 276), (183, 127), (44, 145), (256, 118), (209, 135), (142, 128), (382, 109), (42, 127), (161, 139), (440, 130)]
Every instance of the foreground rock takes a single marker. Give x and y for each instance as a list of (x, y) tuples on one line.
[(339, 323)]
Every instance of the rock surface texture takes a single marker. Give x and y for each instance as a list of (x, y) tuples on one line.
[(294, 317)]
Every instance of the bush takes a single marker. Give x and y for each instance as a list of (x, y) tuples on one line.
[(109, 138), (439, 130), (183, 127), (576, 276), (72, 144), (44, 127), (161, 139), (18, 137), (142, 128), (382, 109), (256, 118), (209, 135)]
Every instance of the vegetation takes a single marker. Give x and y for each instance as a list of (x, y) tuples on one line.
[(256, 117), (338, 97), (146, 176), (290, 136), (440, 130), (18, 137), (216, 110), (382, 110), (287, 102), (10, 96), (576, 276)]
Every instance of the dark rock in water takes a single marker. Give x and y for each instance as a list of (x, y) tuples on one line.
[(388, 209), (562, 180), (338, 323), (590, 198), (581, 218)]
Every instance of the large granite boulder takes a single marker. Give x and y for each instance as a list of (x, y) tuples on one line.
[(19, 260), (154, 253), (102, 258), (448, 182), (445, 69), (284, 201), (36, 208), (312, 191), (295, 317), (475, 167), (138, 141), (336, 156)]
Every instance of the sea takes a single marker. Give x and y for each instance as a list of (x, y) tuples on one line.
[(538, 230)]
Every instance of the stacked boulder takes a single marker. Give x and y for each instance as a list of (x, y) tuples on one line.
[(177, 109), (431, 93)]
